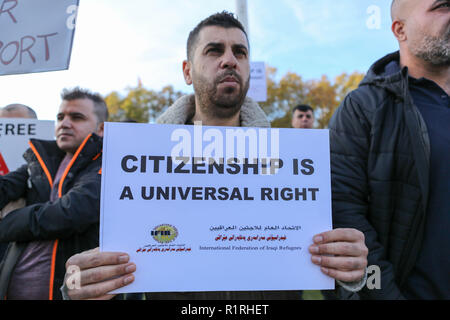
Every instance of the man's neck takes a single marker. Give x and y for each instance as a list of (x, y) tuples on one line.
[(69, 155), (211, 120), (418, 68)]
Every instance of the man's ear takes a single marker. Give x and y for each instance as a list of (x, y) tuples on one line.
[(398, 28), (187, 68), (100, 129)]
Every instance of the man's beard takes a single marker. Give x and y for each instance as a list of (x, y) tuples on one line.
[(434, 50), (224, 105)]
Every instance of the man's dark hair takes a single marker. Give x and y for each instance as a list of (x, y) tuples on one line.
[(12, 107), (223, 19), (100, 108), (303, 108)]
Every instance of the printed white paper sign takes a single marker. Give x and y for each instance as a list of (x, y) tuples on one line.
[(215, 208)]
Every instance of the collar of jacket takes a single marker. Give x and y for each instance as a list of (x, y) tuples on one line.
[(184, 109), (396, 82), (52, 156)]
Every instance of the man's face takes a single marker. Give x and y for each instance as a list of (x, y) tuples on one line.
[(219, 70), (75, 121), (428, 31), (302, 120)]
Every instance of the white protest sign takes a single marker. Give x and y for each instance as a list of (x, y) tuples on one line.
[(36, 35), (258, 83), (14, 137), (216, 208)]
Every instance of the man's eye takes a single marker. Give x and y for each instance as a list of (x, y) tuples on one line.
[(444, 5), (213, 50)]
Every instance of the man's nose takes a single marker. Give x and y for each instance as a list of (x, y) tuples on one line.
[(229, 60), (65, 123)]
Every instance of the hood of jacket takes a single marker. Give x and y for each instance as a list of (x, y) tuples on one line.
[(184, 109), (382, 75)]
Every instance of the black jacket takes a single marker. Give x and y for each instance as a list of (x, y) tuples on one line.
[(380, 154), (72, 221)]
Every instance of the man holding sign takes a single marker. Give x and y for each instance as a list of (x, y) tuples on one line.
[(61, 185), (218, 67)]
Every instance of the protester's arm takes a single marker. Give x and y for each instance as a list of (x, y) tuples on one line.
[(350, 132), (73, 213), (13, 185), (93, 274)]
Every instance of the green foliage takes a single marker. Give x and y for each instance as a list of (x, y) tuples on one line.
[(312, 295), (140, 104)]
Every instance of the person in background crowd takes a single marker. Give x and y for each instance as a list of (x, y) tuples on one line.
[(14, 111), (17, 111), (302, 117)]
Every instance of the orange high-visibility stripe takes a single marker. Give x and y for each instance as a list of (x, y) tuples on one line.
[(70, 165), (49, 177), (97, 156), (41, 162), (52, 272), (55, 246)]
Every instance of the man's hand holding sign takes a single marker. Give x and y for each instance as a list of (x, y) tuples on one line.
[(104, 272)]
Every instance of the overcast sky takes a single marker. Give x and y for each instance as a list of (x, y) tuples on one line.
[(116, 42)]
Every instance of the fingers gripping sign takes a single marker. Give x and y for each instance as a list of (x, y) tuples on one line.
[(341, 254), (93, 274)]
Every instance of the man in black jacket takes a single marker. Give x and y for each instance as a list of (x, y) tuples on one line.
[(61, 185), (390, 143), (14, 110)]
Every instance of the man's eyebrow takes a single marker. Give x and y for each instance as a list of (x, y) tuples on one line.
[(71, 114), (214, 45), (221, 45)]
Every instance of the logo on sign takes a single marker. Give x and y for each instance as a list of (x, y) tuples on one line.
[(164, 233)]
